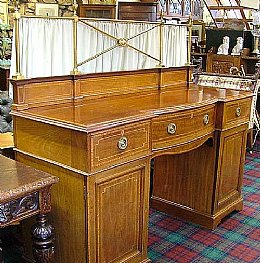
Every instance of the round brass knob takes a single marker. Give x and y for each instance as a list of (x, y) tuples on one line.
[(238, 111), (206, 119), (122, 143), (171, 129)]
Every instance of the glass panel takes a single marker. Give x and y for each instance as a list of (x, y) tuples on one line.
[(226, 2), (162, 6), (197, 11), (175, 7), (211, 2), (231, 14), (238, 14), (187, 8)]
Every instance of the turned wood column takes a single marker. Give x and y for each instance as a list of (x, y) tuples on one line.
[(43, 241)]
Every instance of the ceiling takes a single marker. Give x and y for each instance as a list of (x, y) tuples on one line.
[(213, 12), (224, 11)]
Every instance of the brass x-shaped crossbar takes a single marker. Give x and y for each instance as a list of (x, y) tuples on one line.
[(120, 42)]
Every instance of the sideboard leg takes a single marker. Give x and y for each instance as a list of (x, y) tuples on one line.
[(43, 242)]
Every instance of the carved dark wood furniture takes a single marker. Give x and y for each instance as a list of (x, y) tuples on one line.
[(221, 64), (99, 132), (24, 192)]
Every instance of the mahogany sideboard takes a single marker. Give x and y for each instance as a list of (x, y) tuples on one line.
[(99, 132), (24, 192)]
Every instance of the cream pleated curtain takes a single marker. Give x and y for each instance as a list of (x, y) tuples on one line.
[(46, 46), (143, 36)]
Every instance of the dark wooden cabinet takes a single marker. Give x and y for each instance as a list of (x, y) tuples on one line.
[(222, 63), (137, 11), (97, 11)]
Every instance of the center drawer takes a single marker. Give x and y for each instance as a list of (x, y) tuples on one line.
[(176, 128), (118, 145)]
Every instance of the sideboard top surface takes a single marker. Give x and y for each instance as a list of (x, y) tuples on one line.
[(97, 114)]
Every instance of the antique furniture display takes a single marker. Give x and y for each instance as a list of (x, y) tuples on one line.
[(222, 64), (140, 11), (99, 132), (24, 192)]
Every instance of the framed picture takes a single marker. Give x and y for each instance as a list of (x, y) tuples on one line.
[(46, 9), (198, 29), (3, 13)]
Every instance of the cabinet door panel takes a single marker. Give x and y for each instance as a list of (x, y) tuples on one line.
[(186, 179), (231, 169), (120, 214)]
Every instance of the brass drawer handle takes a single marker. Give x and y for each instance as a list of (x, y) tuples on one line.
[(171, 129), (122, 143), (206, 119), (238, 111)]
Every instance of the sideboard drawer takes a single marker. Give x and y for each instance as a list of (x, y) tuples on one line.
[(172, 129), (119, 145), (236, 112)]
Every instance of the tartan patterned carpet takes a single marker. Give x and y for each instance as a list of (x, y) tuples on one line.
[(236, 239)]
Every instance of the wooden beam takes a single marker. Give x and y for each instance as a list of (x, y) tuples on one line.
[(243, 15), (227, 7), (205, 3)]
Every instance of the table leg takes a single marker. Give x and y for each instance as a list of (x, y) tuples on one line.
[(43, 241)]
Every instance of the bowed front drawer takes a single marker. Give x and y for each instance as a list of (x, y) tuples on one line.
[(234, 113), (118, 145), (176, 128)]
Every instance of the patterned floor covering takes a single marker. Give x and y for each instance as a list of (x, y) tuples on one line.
[(236, 239)]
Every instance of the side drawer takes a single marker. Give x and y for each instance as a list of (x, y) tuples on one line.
[(236, 112), (118, 145), (176, 128)]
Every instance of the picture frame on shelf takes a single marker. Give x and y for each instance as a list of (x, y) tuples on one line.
[(3, 13), (198, 29), (42, 9)]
